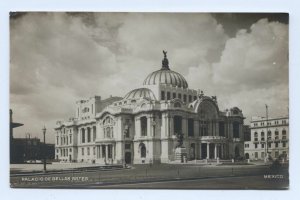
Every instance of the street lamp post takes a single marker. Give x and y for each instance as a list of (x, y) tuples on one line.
[(44, 149), (267, 134)]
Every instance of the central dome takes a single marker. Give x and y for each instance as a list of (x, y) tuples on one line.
[(166, 76)]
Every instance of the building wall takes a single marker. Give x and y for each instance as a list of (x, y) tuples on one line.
[(278, 140)]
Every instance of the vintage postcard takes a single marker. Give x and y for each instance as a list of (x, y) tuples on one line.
[(149, 100)]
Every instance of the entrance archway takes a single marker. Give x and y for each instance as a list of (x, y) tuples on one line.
[(236, 152), (143, 150), (192, 151), (247, 155), (128, 157)]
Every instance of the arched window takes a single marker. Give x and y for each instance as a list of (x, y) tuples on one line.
[(143, 150), (144, 126), (108, 132), (177, 105)]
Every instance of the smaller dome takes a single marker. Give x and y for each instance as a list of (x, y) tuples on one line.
[(140, 93)]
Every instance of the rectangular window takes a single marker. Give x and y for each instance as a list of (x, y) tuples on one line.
[(179, 96), (144, 126), (256, 154), (94, 133), (283, 144), (191, 127), (162, 95), (269, 145), (82, 151), (57, 138), (168, 95), (184, 98), (88, 151), (262, 146), (276, 144), (174, 95), (127, 146), (94, 150), (190, 98), (276, 154), (255, 146)]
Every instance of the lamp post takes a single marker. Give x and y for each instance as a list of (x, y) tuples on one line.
[(267, 143), (44, 149)]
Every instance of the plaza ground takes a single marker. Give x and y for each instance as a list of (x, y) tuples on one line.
[(168, 176)]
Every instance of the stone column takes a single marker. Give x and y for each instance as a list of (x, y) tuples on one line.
[(215, 151), (207, 150), (106, 152)]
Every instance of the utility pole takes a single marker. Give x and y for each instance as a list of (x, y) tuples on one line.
[(267, 145), (44, 149)]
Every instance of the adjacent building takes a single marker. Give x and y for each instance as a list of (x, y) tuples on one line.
[(268, 137), (142, 126)]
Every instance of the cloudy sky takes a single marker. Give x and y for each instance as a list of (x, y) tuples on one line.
[(59, 58)]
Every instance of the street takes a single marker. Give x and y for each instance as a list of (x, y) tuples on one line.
[(159, 176)]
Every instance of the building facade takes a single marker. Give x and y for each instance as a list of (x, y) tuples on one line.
[(142, 126), (268, 137)]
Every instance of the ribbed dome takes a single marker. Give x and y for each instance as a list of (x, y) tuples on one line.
[(140, 93), (166, 76)]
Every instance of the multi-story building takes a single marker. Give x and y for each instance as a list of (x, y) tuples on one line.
[(268, 137), (142, 126)]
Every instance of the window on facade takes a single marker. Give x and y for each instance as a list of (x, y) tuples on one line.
[(94, 133), (276, 132), (67, 140), (184, 98), (262, 146), (256, 154), (162, 95), (190, 98), (191, 127), (179, 96), (269, 145), (269, 133), (88, 151), (70, 139), (108, 132), (276, 144), (88, 134), (221, 129), (255, 145), (144, 126), (82, 151), (177, 125), (57, 138), (283, 132), (174, 95), (262, 134), (236, 130), (195, 98), (82, 135), (283, 144), (94, 150), (127, 146), (168, 95)]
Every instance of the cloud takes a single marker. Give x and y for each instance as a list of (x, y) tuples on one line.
[(58, 58)]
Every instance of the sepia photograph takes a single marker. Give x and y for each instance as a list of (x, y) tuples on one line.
[(149, 100)]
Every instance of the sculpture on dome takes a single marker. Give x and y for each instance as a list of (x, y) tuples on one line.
[(165, 62)]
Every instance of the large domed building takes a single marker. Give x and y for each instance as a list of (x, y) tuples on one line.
[(150, 124)]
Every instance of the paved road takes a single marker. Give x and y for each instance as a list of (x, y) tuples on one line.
[(156, 174), (246, 182)]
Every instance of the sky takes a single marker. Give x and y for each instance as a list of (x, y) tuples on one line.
[(59, 58)]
